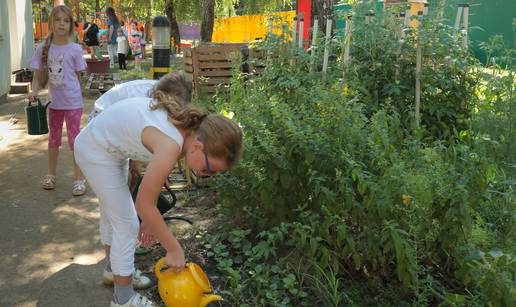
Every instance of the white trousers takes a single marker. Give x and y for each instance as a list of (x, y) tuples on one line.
[(119, 223), (112, 53)]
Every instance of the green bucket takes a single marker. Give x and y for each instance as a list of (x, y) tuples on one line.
[(36, 114)]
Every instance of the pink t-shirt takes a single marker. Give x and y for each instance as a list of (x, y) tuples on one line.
[(63, 63)]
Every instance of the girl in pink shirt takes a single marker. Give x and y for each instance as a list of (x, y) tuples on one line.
[(58, 61)]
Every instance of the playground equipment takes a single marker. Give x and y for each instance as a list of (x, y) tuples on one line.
[(160, 47), (187, 288)]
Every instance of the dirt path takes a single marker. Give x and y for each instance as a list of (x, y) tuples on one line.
[(51, 253)]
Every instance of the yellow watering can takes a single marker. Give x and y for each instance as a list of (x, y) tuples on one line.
[(188, 288)]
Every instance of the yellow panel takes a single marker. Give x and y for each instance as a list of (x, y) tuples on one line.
[(242, 29), (415, 7)]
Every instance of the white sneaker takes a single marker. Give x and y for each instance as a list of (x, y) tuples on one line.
[(140, 281), (136, 301)]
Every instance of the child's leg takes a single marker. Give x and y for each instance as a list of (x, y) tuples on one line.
[(110, 184), (111, 52), (73, 127), (120, 61), (138, 60), (55, 128)]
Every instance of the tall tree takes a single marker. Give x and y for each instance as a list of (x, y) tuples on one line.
[(148, 20), (322, 10), (76, 10), (208, 19), (174, 27)]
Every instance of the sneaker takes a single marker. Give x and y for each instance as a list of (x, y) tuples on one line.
[(140, 281), (137, 300), (79, 187)]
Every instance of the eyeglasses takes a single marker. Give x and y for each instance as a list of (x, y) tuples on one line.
[(208, 167)]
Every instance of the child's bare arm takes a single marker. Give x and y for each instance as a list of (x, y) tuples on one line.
[(79, 75), (165, 155), (35, 85)]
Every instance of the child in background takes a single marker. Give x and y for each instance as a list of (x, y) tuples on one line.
[(121, 49), (143, 42), (136, 46), (157, 130), (175, 83), (91, 30), (59, 62)]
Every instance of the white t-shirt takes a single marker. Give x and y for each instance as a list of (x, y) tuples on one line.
[(118, 130), (121, 44), (135, 88)]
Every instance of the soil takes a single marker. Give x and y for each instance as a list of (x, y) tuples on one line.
[(51, 253)]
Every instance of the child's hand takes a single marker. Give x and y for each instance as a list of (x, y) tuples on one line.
[(146, 239), (33, 97), (176, 259)]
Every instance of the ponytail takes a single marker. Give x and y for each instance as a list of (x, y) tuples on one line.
[(173, 93), (44, 59), (222, 138)]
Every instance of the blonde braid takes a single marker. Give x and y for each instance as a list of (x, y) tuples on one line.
[(44, 59)]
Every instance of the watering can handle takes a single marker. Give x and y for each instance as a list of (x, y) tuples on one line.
[(157, 269)]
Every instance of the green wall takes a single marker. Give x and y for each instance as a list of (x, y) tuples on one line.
[(486, 19)]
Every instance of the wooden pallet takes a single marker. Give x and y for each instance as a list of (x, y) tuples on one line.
[(102, 82), (256, 61), (211, 66)]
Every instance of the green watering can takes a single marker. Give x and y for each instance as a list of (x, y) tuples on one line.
[(36, 118)]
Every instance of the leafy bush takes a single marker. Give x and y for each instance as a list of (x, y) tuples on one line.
[(335, 173)]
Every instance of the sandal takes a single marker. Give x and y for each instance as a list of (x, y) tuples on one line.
[(79, 187), (48, 182)]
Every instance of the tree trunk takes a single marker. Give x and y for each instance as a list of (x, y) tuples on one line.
[(322, 10), (97, 6), (148, 21), (208, 19), (76, 10), (174, 27)]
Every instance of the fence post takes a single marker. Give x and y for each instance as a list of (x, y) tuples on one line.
[(418, 76), (457, 18), (294, 32), (327, 45), (313, 48), (347, 39), (465, 25), (301, 25)]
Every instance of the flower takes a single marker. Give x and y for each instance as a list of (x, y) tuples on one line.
[(345, 90), (406, 199)]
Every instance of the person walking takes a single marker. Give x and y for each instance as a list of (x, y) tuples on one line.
[(113, 25), (91, 31)]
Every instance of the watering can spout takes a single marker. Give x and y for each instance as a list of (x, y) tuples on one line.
[(208, 298)]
